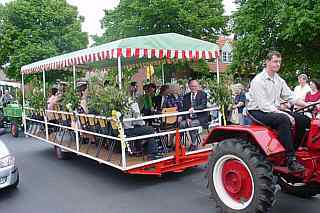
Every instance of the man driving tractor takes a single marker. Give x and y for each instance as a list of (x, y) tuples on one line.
[(267, 90)]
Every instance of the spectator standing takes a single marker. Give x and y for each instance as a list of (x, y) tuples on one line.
[(239, 102), (246, 118)]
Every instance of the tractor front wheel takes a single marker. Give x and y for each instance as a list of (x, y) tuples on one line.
[(14, 129), (240, 178)]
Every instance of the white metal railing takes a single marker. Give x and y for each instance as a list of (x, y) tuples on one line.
[(77, 129), (124, 120)]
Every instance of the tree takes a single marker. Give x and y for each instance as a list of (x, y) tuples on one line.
[(289, 26), (32, 30), (195, 18)]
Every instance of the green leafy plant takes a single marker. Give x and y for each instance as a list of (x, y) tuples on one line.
[(18, 97), (116, 99), (70, 100), (103, 99), (182, 82), (221, 95), (35, 97)]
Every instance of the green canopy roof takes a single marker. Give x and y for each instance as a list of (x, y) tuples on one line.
[(169, 45)]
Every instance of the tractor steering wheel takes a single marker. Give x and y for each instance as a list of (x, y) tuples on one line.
[(309, 108)]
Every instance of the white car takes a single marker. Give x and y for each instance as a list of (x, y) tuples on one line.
[(9, 174)]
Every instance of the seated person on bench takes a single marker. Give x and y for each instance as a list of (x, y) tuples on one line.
[(138, 128), (194, 100)]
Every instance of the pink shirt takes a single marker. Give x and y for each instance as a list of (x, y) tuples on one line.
[(53, 102), (312, 97)]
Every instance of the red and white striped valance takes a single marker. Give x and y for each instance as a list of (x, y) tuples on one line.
[(83, 57)]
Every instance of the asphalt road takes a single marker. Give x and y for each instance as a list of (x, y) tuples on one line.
[(81, 185)]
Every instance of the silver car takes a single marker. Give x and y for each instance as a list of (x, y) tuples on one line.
[(9, 175)]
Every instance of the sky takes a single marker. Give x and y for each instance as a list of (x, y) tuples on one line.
[(93, 12)]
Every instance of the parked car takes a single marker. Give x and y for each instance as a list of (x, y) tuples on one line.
[(9, 174)]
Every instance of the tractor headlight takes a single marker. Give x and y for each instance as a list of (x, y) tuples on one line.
[(7, 161)]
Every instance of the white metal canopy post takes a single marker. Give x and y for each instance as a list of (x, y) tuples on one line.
[(44, 96), (218, 71), (23, 112), (162, 70), (123, 147), (76, 123), (119, 73), (218, 81), (74, 76), (44, 83)]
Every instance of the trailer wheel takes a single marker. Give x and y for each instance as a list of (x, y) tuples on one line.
[(60, 154), (298, 189), (14, 130), (240, 178)]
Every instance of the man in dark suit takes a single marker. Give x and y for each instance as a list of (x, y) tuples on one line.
[(196, 99)]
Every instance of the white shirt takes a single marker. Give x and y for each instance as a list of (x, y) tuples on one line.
[(162, 101), (266, 93), (301, 92), (134, 113), (193, 97)]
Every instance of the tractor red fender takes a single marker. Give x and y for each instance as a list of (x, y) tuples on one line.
[(262, 136)]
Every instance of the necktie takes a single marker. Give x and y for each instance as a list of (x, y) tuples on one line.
[(193, 99)]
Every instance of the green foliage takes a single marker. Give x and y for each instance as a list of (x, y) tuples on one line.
[(70, 99), (195, 18), (32, 30), (220, 94), (290, 27), (35, 98), (104, 99), (200, 68), (182, 82), (116, 99), (19, 97)]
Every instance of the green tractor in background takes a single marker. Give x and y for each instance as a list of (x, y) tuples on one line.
[(10, 111)]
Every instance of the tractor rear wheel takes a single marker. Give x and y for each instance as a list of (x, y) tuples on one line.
[(240, 178), (299, 189)]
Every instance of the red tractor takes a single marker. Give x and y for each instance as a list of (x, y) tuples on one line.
[(248, 162)]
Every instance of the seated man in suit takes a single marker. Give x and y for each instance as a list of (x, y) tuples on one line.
[(196, 99)]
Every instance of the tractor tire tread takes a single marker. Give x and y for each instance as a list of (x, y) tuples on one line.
[(264, 196)]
